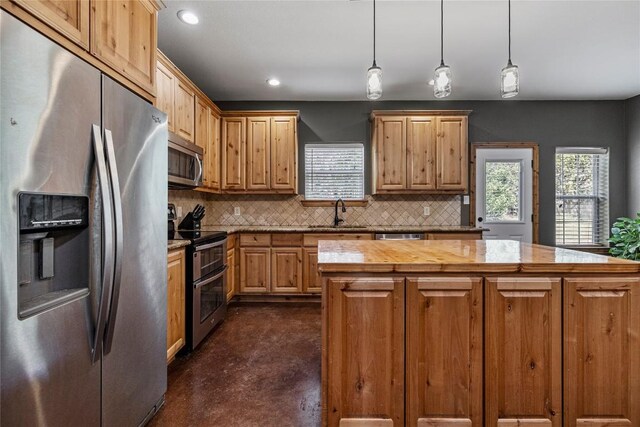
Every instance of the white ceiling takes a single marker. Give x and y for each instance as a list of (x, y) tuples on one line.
[(321, 49)]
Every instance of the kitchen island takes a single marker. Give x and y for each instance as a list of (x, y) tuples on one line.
[(471, 333)]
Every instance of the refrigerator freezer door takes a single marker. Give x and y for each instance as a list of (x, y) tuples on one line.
[(49, 101), (134, 361)]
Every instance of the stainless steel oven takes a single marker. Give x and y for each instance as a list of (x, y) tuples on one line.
[(185, 163), (206, 297)]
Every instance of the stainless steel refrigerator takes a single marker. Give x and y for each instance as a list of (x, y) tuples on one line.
[(83, 196)]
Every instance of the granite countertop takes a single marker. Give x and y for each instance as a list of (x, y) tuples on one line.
[(342, 229), (462, 256), (177, 244)]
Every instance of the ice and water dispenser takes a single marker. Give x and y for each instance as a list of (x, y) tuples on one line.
[(53, 260)]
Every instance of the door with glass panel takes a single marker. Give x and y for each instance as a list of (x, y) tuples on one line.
[(504, 193)]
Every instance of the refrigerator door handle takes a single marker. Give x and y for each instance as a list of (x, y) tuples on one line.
[(117, 205), (107, 247)]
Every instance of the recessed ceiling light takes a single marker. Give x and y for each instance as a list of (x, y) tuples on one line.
[(431, 82), (273, 82), (188, 17)]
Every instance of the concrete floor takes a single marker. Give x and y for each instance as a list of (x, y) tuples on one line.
[(261, 367)]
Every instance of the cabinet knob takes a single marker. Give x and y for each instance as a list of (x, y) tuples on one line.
[(479, 219)]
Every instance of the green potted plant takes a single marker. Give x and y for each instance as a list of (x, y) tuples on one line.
[(625, 238)]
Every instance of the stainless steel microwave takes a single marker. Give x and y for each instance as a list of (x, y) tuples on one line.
[(185, 163)]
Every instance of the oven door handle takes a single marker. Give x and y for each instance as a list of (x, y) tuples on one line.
[(212, 279), (210, 245)]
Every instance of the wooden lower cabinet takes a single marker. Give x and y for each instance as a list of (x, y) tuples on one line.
[(523, 352), (602, 352), (310, 276), (255, 270), (231, 273), (286, 270), (365, 352), (444, 351), (176, 333)]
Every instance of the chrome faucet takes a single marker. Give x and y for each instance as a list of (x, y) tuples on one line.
[(336, 219)]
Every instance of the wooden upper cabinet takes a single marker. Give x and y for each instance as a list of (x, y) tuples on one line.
[(602, 352), (444, 351), (70, 18), (201, 134), (258, 153), (365, 352), (421, 153), (176, 320), (165, 97), (124, 36), (213, 151), (284, 154), (523, 352), (233, 153), (286, 270), (184, 110), (425, 151), (390, 153), (452, 151)]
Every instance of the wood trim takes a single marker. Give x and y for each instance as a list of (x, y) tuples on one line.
[(77, 50), (258, 113), (331, 203), (535, 177), (380, 113)]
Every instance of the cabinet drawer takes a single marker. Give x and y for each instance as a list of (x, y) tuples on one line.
[(255, 239), (231, 241), (312, 239), (286, 239)]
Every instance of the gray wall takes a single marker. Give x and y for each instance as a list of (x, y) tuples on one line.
[(632, 107), (548, 123)]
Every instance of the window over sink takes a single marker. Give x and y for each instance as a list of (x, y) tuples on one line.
[(333, 171)]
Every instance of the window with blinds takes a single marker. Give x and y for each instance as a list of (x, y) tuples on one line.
[(582, 196), (333, 171)]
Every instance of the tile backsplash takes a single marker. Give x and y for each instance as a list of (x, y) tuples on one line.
[(287, 210)]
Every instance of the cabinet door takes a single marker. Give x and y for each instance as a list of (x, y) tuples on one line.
[(258, 153), (602, 351), (70, 18), (284, 154), (233, 153), (184, 110), (286, 270), (523, 361), (176, 335), (365, 352), (310, 275), (165, 98), (444, 351), (202, 136), (390, 160), (213, 150), (255, 270), (421, 153), (231, 277), (452, 152), (124, 36)]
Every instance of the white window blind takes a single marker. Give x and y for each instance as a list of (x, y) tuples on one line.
[(333, 171), (582, 196)]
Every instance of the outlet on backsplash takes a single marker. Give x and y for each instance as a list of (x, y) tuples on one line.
[(179, 211), (236, 210), (426, 211)]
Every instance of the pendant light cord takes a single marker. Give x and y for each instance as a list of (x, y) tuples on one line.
[(441, 33), (509, 31), (374, 33)]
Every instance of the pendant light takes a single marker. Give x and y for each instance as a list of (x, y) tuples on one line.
[(509, 77), (442, 75), (374, 73)]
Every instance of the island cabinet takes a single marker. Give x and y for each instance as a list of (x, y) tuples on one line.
[(477, 333), (259, 152), (420, 151)]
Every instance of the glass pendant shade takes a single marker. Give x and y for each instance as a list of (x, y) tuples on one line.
[(510, 81), (374, 82), (442, 81)]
